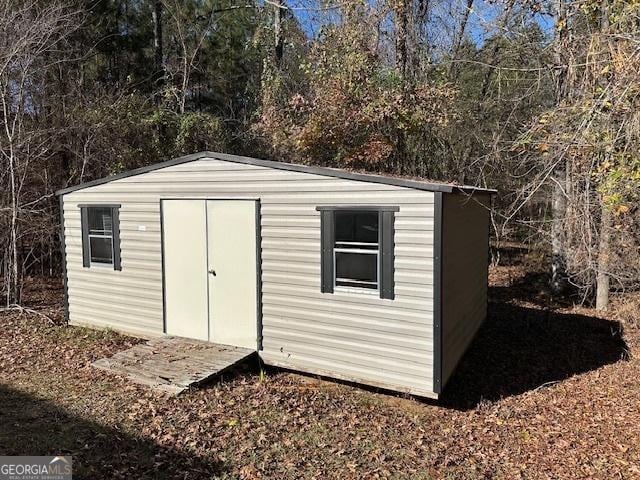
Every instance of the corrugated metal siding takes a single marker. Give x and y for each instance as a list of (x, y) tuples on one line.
[(355, 337), (465, 254)]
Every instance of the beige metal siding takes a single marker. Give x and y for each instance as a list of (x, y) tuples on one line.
[(465, 235), (357, 337)]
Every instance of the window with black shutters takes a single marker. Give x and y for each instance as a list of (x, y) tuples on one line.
[(100, 235), (357, 249)]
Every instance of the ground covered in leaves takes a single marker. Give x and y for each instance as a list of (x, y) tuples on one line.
[(546, 391)]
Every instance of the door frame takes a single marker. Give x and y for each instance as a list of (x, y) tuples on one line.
[(258, 217)]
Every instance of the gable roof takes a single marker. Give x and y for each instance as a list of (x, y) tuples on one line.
[(325, 171)]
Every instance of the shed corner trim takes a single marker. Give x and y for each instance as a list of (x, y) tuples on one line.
[(437, 293), (63, 260)]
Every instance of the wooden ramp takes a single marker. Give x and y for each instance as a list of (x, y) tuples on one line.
[(173, 364)]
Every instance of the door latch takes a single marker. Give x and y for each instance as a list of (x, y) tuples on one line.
[(212, 272)]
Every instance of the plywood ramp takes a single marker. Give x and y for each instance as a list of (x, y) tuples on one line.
[(173, 364)]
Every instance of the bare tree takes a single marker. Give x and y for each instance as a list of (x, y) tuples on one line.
[(604, 245), (191, 32), (559, 178), (458, 39), (495, 49), (30, 40)]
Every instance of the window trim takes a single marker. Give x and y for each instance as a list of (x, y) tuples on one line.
[(356, 208), (115, 263), (385, 250)]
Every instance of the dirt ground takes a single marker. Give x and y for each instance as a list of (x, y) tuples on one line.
[(546, 391)]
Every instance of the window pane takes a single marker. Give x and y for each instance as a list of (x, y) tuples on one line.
[(101, 249), (357, 269), (100, 221), (359, 227)]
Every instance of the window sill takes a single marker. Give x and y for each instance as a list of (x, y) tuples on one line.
[(104, 266), (348, 291)]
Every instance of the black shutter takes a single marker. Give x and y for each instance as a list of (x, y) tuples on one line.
[(84, 221), (386, 235), (326, 253), (115, 224)]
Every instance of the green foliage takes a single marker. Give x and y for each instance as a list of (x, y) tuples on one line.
[(349, 108), (226, 69), (177, 134), (131, 132)]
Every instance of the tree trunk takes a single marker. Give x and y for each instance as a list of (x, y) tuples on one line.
[(402, 33), (278, 51), (157, 42), (420, 36), (558, 237), (457, 44), (402, 58), (560, 49), (13, 288), (602, 280), (561, 173), (185, 82)]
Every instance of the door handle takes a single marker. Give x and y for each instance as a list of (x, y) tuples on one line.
[(212, 272)]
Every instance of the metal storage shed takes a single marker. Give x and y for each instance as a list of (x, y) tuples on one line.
[(366, 278)]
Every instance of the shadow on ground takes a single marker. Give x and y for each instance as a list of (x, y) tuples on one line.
[(31, 426), (519, 349)]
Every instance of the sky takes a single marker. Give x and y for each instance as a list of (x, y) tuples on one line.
[(482, 23)]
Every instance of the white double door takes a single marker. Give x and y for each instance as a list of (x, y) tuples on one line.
[(210, 270)]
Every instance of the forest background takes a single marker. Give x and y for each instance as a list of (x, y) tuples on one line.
[(538, 99)]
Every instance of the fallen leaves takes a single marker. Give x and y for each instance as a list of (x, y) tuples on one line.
[(278, 425)]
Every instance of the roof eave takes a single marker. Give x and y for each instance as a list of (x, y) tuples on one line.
[(469, 190)]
